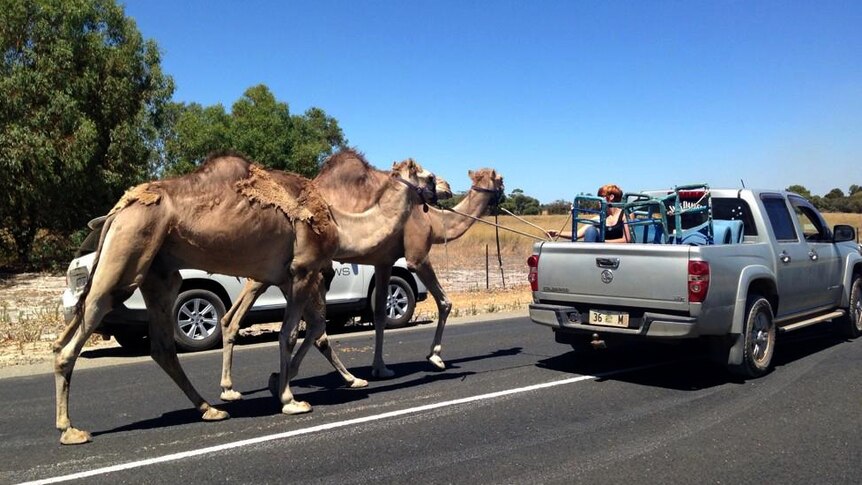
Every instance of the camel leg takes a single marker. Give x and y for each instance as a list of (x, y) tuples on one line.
[(66, 351), (299, 290), (160, 291), (426, 273), (230, 327), (381, 282), (314, 313), (322, 344)]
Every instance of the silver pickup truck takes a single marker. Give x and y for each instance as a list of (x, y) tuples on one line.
[(781, 270)]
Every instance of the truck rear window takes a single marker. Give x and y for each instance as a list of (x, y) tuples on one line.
[(723, 208)]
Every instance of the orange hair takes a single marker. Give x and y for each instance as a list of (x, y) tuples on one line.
[(610, 189)]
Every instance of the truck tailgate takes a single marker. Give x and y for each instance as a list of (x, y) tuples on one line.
[(648, 276)]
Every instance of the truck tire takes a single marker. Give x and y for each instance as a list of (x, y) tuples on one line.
[(850, 325), (197, 320), (400, 302), (759, 335)]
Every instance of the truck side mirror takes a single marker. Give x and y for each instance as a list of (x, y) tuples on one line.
[(843, 233)]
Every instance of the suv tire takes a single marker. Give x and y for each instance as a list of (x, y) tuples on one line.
[(197, 318), (400, 302)]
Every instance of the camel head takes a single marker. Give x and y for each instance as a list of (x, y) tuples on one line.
[(444, 191), (489, 181), (417, 178)]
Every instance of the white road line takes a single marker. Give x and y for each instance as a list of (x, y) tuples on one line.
[(325, 427)]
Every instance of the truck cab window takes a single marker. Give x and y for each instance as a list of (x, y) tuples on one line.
[(779, 218), (814, 228)]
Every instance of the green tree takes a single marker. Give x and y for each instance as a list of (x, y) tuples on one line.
[(259, 126), (195, 132), (799, 189), (521, 204), (558, 207), (82, 98)]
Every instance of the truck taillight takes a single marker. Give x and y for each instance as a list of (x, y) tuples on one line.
[(698, 281), (533, 277)]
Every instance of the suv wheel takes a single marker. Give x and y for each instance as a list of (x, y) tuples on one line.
[(197, 316), (400, 302)]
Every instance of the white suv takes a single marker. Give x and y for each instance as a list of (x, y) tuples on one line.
[(204, 298)]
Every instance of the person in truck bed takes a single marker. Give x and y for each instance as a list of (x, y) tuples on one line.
[(615, 229)]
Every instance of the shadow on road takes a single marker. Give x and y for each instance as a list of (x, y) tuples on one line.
[(324, 390), (242, 339), (684, 366)]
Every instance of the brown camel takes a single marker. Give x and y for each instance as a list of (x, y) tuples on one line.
[(230, 217), (346, 172), (425, 226), (359, 178)]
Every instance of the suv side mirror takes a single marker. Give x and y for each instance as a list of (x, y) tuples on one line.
[(843, 233)]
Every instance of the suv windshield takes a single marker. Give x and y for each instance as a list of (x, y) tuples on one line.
[(90, 244)]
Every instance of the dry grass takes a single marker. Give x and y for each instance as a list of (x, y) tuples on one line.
[(854, 220)]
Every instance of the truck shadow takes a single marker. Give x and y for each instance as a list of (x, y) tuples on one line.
[(682, 367)]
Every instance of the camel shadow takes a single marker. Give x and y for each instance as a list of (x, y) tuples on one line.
[(684, 366), (332, 393), (323, 390)]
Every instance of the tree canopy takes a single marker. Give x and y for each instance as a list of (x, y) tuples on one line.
[(259, 126), (521, 204), (86, 112), (835, 200), (82, 99)]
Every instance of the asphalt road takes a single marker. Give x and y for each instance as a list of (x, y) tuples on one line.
[(512, 407)]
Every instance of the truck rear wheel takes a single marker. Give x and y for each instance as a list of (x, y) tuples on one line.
[(759, 335), (850, 325)]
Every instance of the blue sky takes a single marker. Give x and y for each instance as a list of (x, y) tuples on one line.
[(559, 96)]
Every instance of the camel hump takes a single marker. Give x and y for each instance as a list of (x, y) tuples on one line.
[(350, 157), (147, 194), (295, 196)]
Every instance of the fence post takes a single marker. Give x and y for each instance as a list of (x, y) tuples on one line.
[(487, 270)]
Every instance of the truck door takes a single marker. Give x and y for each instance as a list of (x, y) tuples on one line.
[(824, 262), (791, 253)]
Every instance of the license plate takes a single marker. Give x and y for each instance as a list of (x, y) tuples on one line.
[(612, 319)]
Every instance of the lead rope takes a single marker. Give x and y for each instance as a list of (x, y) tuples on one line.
[(497, 235), (483, 221)]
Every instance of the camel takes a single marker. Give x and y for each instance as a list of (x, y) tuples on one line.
[(425, 226), (230, 217), (352, 176)]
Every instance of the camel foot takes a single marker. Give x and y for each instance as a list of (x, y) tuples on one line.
[(72, 436), (229, 395), (213, 414), (382, 373), (436, 361), (357, 383), (296, 407)]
